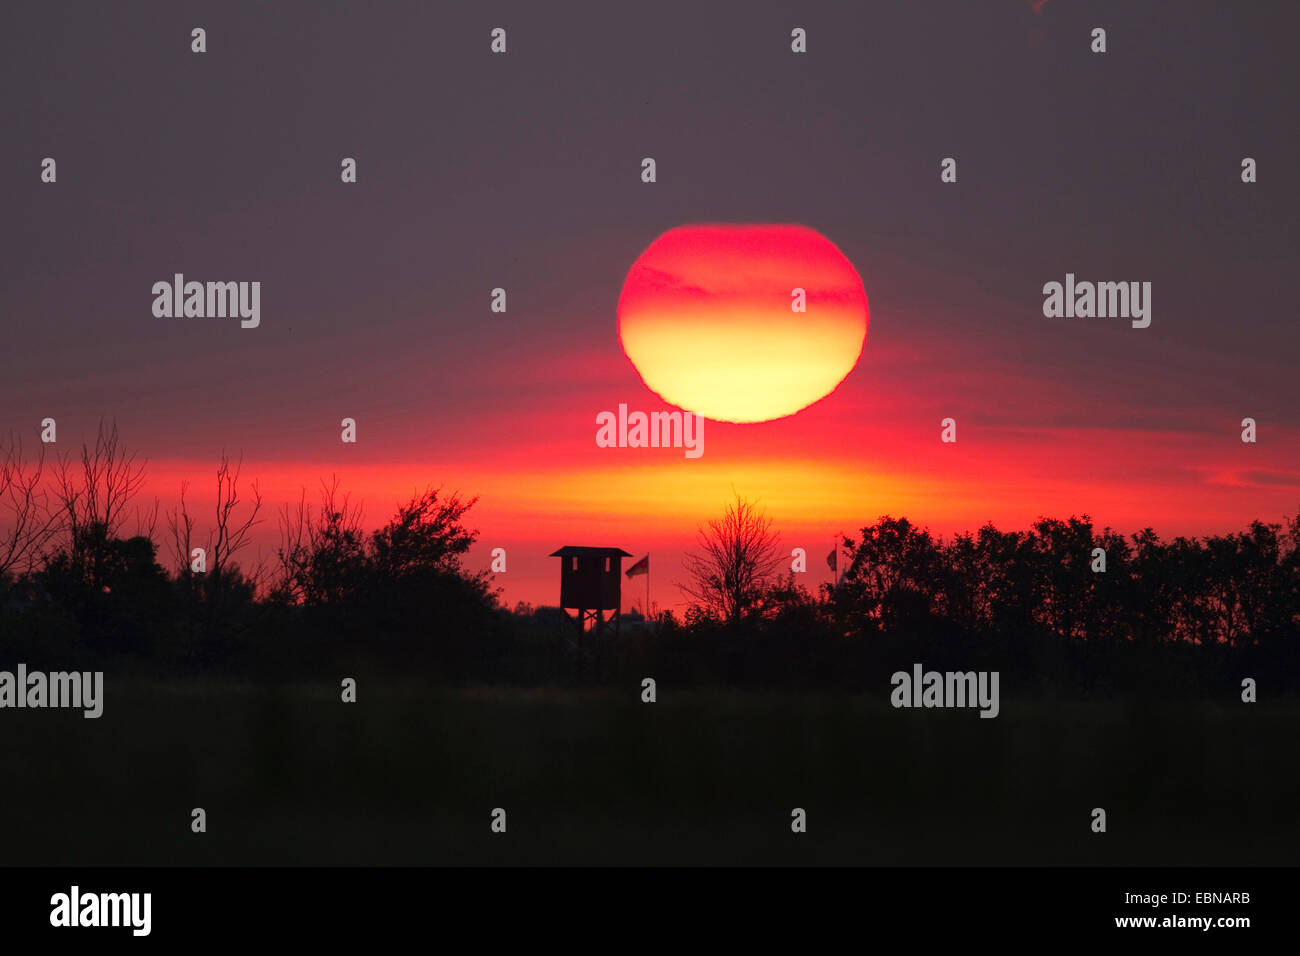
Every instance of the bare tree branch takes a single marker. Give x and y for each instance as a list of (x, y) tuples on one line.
[(27, 520), (231, 535), (739, 558), (182, 528), (93, 494)]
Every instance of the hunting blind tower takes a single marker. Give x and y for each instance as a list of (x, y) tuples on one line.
[(590, 583)]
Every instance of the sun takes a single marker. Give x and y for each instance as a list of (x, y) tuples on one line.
[(743, 323)]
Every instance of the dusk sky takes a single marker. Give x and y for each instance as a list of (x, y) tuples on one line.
[(523, 171)]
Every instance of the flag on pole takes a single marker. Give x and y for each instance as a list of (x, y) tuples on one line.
[(642, 567), (830, 561)]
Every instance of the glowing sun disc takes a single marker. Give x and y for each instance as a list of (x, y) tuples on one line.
[(708, 316)]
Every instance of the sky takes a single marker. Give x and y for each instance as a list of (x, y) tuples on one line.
[(523, 171)]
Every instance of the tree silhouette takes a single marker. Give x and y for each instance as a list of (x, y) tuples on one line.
[(894, 580), (737, 563), (230, 535), (426, 535), (27, 522), (322, 554), (92, 494)]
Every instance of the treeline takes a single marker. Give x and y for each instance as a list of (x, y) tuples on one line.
[(1061, 607), (1058, 608), (81, 581), (1067, 579)]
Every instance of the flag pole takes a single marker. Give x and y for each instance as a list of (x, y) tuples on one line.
[(647, 586), (835, 571)]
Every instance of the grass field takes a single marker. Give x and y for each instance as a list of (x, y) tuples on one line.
[(408, 775)]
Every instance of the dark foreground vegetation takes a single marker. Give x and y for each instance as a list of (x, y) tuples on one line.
[(410, 775)]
